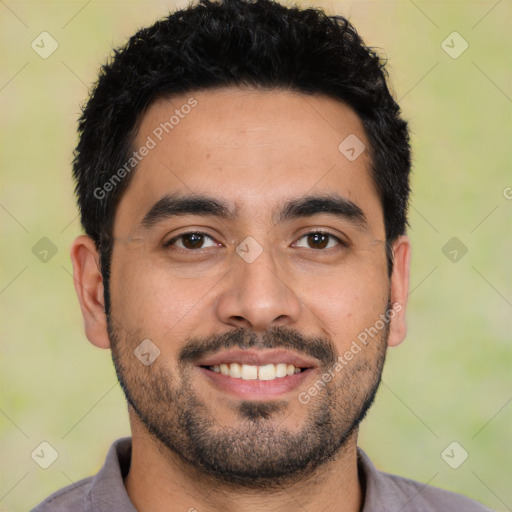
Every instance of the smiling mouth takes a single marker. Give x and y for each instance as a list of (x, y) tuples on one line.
[(253, 372)]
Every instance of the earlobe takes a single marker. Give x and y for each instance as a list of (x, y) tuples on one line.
[(89, 289), (399, 290)]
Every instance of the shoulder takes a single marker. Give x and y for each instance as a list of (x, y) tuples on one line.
[(386, 492), (104, 491), (75, 497), (415, 496)]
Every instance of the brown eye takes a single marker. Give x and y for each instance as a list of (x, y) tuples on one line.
[(192, 240), (318, 240)]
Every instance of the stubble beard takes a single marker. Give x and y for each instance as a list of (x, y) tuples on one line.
[(259, 452)]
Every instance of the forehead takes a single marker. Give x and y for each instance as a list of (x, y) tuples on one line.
[(250, 148)]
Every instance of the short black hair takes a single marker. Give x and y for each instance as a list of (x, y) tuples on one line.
[(214, 44)]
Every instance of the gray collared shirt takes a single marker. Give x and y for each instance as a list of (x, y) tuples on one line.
[(105, 492)]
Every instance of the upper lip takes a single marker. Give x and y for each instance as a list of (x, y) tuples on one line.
[(258, 358)]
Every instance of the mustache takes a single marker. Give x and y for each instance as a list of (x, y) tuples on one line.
[(278, 337)]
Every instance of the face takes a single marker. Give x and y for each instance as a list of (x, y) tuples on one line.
[(250, 251)]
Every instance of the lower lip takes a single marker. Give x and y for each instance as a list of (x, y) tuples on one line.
[(257, 389)]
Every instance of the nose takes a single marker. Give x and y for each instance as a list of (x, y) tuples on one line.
[(256, 296)]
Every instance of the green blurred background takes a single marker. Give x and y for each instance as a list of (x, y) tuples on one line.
[(449, 381)]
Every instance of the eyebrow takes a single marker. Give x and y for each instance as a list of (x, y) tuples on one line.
[(330, 204)]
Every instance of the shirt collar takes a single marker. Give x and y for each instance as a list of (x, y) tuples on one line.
[(108, 492)]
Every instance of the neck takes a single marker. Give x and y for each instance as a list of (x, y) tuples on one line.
[(159, 478)]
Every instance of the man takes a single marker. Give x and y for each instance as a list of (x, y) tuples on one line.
[(243, 175)]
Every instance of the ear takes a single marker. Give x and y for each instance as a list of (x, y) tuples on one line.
[(89, 288), (399, 290)]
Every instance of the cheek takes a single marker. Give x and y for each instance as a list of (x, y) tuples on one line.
[(147, 299), (348, 301)]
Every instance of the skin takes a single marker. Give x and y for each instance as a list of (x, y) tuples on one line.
[(254, 150)]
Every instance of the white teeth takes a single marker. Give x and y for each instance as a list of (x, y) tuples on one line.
[(267, 372), (252, 372), (249, 372), (281, 370), (235, 370)]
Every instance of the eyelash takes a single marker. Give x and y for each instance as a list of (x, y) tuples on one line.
[(173, 240)]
